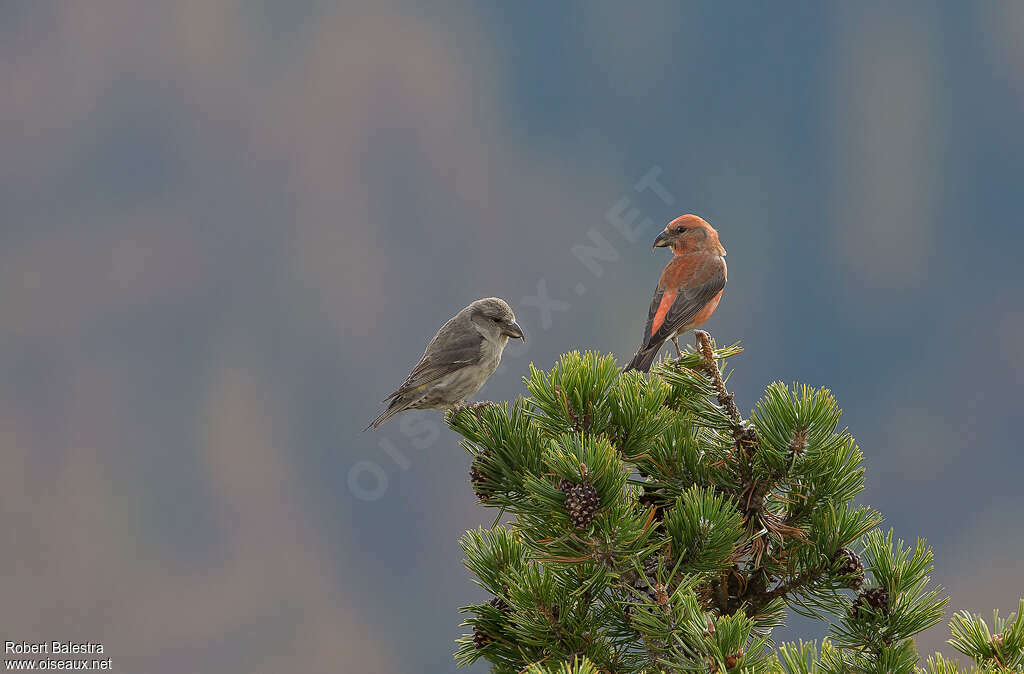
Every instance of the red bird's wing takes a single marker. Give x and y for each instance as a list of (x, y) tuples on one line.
[(675, 307)]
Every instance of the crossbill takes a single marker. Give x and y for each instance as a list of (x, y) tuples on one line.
[(458, 360), (689, 289)]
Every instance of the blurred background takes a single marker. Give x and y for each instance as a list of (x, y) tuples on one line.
[(229, 229)]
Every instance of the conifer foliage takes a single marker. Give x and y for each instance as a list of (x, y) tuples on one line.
[(652, 528)]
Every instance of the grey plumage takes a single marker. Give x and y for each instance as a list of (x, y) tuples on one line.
[(458, 360)]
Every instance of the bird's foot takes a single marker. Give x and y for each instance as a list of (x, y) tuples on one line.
[(480, 406), (675, 342), (475, 408)]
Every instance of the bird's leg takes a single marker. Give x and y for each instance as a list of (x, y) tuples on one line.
[(475, 408), (675, 342), (483, 404)]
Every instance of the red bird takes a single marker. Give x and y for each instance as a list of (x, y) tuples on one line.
[(689, 289)]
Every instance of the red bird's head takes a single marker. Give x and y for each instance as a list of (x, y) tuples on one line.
[(689, 234)]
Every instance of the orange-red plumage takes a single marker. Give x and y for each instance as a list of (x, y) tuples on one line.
[(689, 289), (704, 314), (666, 303)]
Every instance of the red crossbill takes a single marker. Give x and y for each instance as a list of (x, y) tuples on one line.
[(689, 288)]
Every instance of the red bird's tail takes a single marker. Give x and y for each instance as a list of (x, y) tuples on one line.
[(643, 358)]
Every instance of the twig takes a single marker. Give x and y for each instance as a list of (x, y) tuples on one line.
[(755, 491), (725, 399), (781, 590)]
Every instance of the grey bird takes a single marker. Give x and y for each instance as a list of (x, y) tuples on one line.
[(458, 360)]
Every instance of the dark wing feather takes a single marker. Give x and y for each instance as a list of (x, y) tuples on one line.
[(651, 313), (449, 351), (687, 304)]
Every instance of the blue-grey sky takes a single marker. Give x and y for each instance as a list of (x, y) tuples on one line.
[(230, 229)]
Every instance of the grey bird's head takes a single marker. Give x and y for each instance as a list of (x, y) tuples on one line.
[(493, 317)]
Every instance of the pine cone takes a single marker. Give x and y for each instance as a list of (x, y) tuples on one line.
[(851, 566), (733, 659), (798, 445), (648, 587), (481, 638), (876, 598), (582, 503), (478, 477), (646, 584), (501, 605), (747, 439)]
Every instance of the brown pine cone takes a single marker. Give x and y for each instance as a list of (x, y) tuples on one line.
[(851, 566), (582, 503)]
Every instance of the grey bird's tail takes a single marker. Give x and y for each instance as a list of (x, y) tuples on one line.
[(643, 358), (394, 408)]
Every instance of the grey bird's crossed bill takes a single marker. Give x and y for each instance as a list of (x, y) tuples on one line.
[(458, 360)]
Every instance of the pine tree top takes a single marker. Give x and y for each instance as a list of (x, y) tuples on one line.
[(655, 528)]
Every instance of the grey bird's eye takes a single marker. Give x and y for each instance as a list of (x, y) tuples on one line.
[(680, 230)]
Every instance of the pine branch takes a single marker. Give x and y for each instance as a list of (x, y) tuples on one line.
[(753, 496), (652, 528), (792, 585), (725, 399)]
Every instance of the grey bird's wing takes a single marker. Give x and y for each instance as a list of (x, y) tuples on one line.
[(454, 347)]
